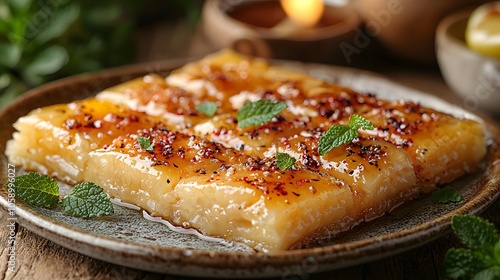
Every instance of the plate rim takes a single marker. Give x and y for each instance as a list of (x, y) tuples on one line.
[(327, 257)]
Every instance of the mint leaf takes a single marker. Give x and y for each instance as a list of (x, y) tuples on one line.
[(356, 122), (342, 134), (259, 112), (482, 259), (462, 263), (476, 233), (145, 143), (87, 200), (284, 160), (446, 195), (336, 136), (48, 61), (36, 189), (207, 108)]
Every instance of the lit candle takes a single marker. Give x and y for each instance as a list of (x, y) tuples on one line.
[(307, 30), (300, 15), (305, 13)]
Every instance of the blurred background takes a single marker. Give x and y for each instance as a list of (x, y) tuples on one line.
[(44, 40)]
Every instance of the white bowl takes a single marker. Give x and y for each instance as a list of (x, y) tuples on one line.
[(472, 76)]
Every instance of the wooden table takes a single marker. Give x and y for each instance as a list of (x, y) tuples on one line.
[(38, 258)]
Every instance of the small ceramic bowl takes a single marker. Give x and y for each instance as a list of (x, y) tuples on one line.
[(322, 44), (472, 76)]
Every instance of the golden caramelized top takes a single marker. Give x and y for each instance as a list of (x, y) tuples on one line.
[(314, 105), (164, 111)]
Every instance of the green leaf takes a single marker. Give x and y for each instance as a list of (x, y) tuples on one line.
[(259, 112), (486, 274), (5, 80), (476, 233), (9, 55), (336, 136), (207, 108), (497, 271), (59, 23), (36, 189), (356, 122), (48, 61), (342, 134), (462, 263), (284, 161), (446, 195), (496, 252), (87, 200), (145, 143)]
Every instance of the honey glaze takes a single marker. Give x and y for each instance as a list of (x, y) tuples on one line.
[(209, 175)]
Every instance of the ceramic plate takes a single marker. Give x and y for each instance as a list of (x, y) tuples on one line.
[(127, 238)]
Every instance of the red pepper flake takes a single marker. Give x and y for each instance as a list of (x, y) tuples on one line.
[(181, 152), (246, 179), (133, 118), (309, 161), (279, 187), (201, 171)]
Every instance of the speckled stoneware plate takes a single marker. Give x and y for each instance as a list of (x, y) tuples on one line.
[(128, 239)]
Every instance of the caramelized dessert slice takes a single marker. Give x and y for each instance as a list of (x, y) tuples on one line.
[(441, 147), (207, 173), (57, 139), (222, 192)]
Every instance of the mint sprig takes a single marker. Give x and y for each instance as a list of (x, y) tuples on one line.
[(207, 108), (284, 161), (145, 143), (446, 195), (481, 260), (259, 112), (87, 200), (36, 189), (341, 134)]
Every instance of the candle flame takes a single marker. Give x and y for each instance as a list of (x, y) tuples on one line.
[(305, 12)]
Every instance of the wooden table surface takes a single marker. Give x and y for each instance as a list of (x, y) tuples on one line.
[(38, 258)]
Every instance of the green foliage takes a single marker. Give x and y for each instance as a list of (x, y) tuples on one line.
[(481, 260), (47, 39)]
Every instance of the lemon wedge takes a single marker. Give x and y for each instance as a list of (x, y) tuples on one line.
[(483, 30)]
